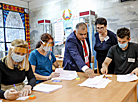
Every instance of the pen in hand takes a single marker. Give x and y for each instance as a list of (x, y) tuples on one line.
[(15, 87)]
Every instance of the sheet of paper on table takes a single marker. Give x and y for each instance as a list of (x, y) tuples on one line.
[(65, 74), (96, 82), (46, 88), (126, 78), (22, 98)]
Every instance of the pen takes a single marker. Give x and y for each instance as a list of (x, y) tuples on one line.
[(15, 87)]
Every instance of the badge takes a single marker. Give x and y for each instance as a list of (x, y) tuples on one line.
[(86, 59), (106, 38), (131, 59)]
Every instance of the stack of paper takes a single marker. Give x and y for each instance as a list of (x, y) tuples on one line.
[(46, 88), (65, 74), (96, 82), (126, 78)]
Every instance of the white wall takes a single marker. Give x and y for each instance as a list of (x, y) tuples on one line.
[(117, 14)]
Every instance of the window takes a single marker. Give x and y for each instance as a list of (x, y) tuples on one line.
[(14, 24)]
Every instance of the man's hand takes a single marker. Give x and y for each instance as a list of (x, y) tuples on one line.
[(104, 70), (90, 73), (135, 71)]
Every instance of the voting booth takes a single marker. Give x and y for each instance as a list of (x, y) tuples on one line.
[(89, 18), (47, 26)]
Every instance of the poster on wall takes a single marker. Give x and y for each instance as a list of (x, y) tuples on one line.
[(68, 28), (65, 26), (59, 32)]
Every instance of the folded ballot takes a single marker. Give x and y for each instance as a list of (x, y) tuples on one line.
[(96, 82), (65, 74), (46, 88), (126, 78)]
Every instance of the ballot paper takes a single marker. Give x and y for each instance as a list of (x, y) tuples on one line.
[(22, 98), (126, 78), (107, 75), (46, 88), (65, 74), (96, 82)]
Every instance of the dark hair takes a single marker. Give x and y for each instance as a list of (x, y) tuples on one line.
[(81, 24), (101, 21), (44, 37), (123, 32)]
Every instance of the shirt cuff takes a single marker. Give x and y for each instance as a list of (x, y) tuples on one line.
[(84, 68)]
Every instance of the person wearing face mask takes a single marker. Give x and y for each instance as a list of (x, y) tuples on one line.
[(13, 69), (42, 59), (125, 55), (104, 39)]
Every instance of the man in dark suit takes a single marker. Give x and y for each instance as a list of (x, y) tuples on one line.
[(77, 54)]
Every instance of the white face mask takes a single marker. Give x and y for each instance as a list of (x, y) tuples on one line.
[(46, 48), (17, 58)]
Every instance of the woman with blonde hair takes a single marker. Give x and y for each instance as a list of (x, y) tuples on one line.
[(13, 69)]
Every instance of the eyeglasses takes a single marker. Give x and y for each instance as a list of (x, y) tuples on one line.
[(100, 28)]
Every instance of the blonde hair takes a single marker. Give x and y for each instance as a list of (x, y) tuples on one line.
[(21, 65)]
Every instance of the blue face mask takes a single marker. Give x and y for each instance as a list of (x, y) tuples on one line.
[(122, 45)]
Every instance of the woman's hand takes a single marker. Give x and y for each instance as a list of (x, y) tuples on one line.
[(54, 74), (26, 90), (11, 94)]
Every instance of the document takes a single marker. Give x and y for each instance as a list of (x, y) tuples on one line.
[(65, 74), (0, 100), (22, 98), (107, 75), (46, 88), (96, 82), (126, 78)]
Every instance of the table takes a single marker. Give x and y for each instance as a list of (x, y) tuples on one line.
[(71, 92)]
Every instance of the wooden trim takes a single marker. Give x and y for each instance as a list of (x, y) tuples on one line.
[(97, 68)]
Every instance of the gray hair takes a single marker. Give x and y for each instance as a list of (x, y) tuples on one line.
[(83, 26)]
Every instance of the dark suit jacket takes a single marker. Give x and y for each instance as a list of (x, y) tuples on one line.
[(74, 55)]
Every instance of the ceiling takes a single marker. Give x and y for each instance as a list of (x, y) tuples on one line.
[(32, 4)]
